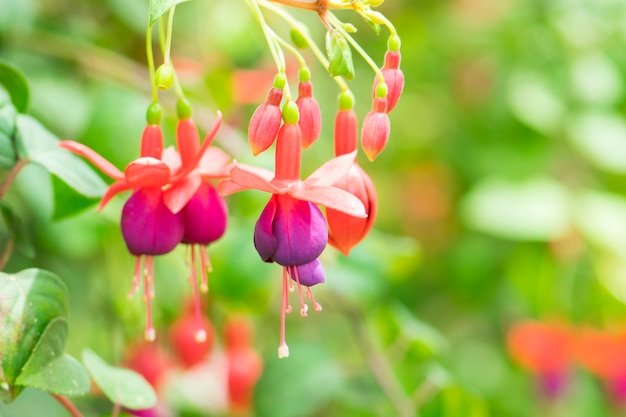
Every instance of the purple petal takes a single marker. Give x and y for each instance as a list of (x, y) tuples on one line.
[(310, 274), (300, 230), (205, 216), (148, 226), (264, 239)]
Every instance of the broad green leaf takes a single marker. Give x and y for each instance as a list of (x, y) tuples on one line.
[(339, 55), (18, 232), (68, 202), (534, 103), (601, 138), (304, 382), (8, 116), (36, 143), (159, 7), (15, 83), (418, 331), (536, 209), (121, 386), (29, 301), (51, 370), (600, 218)]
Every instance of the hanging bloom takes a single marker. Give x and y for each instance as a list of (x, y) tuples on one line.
[(203, 211), (149, 225), (544, 349), (376, 129), (265, 122), (291, 230), (310, 120), (394, 78), (346, 231)]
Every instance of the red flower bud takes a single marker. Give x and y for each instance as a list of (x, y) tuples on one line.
[(150, 361), (345, 231), (188, 347), (244, 366), (265, 122), (394, 78), (310, 115), (376, 128)]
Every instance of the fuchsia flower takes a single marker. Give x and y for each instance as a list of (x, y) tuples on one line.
[(291, 230), (376, 129), (265, 122), (346, 231), (152, 222), (394, 78)]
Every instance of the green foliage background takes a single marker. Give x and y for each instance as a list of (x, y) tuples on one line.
[(501, 197)]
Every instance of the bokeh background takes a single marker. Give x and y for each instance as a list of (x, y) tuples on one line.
[(501, 198)]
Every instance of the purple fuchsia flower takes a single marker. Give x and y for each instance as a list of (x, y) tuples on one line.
[(291, 230), (149, 226), (204, 212)]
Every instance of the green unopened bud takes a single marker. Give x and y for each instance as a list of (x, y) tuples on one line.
[(349, 27), (164, 77), (339, 55), (346, 100), (154, 114), (304, 74), (381, 90), (183, 109), (298, 38), (375, 17), (374, 3), (291, 114), (280, 80)]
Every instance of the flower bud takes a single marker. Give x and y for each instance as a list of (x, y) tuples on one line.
[(164, 77), (265, 122), (394, 78), (376, 128), (184, 339), (310, 115)]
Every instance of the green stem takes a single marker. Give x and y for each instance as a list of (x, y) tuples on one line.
[(168, 39), (277, 53), (68, 405), (8, 180), (117, 407), (162, 36), (314, 48), (151, 70), (339, 26), (6, 253)]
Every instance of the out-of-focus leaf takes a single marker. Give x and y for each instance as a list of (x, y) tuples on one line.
[(15, 83), (159, 7), (22, 239), (40, 146), (68, 202), (601, 137), (596, 79), (121, 386), (33, 402), (536, 209), (8, 116), (30, 301), (418, 331), (600, 218), (533, 103), (339, 55), (51, 370), (304, 382)]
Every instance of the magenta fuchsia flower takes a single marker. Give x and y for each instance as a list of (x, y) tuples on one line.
[(203, 211), (291, 230), (149, 224)]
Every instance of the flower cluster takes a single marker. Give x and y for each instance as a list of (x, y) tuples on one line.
[(174, 201), (551, 350)]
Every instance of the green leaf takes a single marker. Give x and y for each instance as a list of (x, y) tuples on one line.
[(339, 55), (36, 143), (8, 116), (601, 138), (15, 84), (29, 301), (51, 370), (121, 386), (313, 380), (536, 209), (68, 202), (159, 7), (22, 240), (533, 102)]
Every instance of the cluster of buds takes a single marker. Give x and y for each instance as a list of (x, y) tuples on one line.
[(174, 201)]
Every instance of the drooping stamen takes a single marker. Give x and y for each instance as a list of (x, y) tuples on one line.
[(200, 335), (149, 271), (317, 306), (136, 278), (304, 307), (150, 333), (205, 269), (283, 349)]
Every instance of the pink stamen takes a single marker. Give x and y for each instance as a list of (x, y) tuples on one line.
[(149, 271), (150, 333), (304, 307), (136, 278), (283, 349), (200, 334), (205, 268), (317, 306)]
